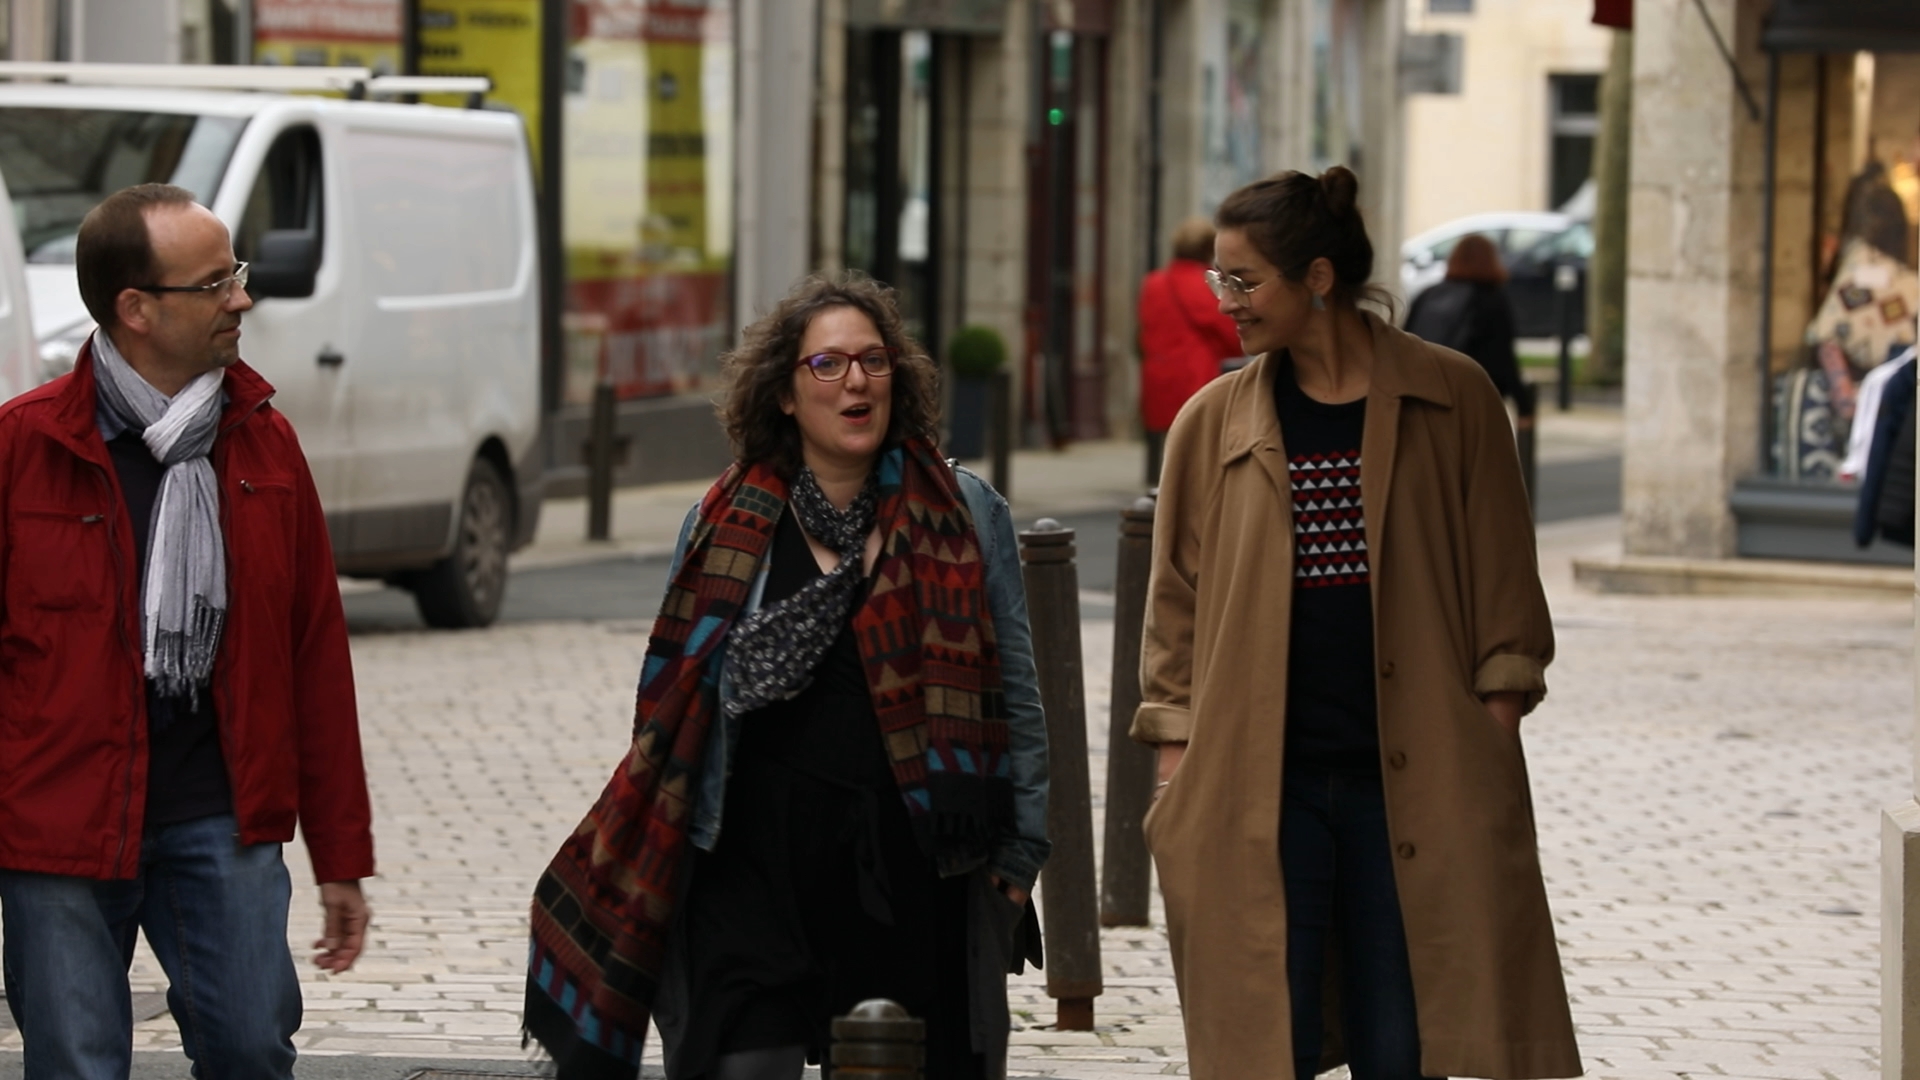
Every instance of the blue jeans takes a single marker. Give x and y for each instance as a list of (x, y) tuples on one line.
[(214, 912), (1337, 861)]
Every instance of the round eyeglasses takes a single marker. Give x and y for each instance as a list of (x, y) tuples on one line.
[(222, 288), (1223, 284), (833, 366)]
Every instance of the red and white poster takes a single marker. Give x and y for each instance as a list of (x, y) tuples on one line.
[(354, 33)]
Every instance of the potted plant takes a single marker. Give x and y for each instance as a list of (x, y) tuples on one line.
[(974, 354)]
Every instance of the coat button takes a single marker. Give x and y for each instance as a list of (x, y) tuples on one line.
[(1397, 759), (1405, 850), (1386, 670)]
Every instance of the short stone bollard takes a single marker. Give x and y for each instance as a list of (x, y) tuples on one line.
[(878, 1041), (1126, 884), (1067, 886)]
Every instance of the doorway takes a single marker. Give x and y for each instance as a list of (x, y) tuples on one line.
[(893, 166), (1065, 387)]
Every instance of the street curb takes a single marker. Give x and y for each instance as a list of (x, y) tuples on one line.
[(1648, 575)]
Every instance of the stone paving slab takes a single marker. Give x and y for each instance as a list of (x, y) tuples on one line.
[(1708, 776)]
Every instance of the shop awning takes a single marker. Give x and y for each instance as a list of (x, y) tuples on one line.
[(1827, 26)]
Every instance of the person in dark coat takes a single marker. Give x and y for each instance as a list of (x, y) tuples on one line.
[(1471, 313), (1183, 336)]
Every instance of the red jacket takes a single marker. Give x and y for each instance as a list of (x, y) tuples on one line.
[(1183, 338), (73, 724)]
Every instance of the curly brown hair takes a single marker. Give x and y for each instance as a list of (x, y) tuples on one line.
[(759, 371)]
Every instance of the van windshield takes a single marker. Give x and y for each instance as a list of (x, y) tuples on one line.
[(59, 163)]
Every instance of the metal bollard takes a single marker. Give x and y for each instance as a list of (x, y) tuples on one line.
[(1566, 281), (600, 464), (1126, 887), (1526, 434), (1067, 887), (1000, 432), (878, 1040)]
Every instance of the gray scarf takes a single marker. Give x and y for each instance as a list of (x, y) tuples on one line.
[(774, 650), (185, 592)]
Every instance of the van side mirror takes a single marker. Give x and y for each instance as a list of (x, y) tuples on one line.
[(286, 264)]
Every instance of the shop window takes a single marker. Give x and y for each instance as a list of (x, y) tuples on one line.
[(1575, 104)]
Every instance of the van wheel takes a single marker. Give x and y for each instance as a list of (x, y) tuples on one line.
[(465, 589)]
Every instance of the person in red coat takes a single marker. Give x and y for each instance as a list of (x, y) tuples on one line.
[(1183, 337), (176, 685)]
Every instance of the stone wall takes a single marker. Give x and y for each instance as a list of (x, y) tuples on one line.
[(1693, 398), (1502, 115)]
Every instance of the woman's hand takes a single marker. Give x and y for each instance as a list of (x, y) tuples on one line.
[(1166, 759), (1012, 892), (1506, 708)]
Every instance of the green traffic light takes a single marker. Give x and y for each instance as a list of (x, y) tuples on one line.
[(1056, 117)]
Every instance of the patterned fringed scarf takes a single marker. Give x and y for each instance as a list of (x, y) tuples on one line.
[(602, 909)]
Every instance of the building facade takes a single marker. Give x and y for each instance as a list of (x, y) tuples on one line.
[(1016, 164), (1526, 100), (1762, 287)]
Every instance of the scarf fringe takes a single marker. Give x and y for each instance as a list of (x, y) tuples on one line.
[(184, 593), (180, 662)]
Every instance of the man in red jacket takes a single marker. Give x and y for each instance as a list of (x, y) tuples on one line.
[(1183, 336), (175, 687)]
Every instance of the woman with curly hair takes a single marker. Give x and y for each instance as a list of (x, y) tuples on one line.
[(837, 783)]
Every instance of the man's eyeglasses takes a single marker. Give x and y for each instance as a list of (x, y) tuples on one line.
[(222, 288), (833, 366), (1222, 284)]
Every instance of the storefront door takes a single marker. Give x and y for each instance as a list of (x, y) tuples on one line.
[(1065, 381), (893, 166)]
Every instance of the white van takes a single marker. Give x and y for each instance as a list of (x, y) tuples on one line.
[(19, 350), (395, 277)]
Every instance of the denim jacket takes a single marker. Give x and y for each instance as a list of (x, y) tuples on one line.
[(1019, 856)]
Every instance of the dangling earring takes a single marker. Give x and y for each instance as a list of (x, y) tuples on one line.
[(1318, 303)]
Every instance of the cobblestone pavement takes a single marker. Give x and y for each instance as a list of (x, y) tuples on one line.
[(1708, 776)]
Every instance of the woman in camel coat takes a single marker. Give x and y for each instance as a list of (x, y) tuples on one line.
[(1460, 639)]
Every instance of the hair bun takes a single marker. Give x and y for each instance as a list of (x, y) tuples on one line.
[(1341, 190)]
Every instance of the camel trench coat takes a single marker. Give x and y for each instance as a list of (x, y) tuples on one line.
[(1459, 613)]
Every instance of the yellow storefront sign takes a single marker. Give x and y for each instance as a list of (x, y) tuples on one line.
[(499, 39)]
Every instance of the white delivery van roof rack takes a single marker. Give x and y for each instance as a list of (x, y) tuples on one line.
[(355, 82)]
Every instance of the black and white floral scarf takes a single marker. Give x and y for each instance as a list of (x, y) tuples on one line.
[(772, 653)]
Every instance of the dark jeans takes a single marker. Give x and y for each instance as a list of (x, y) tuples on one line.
[(215, 913), (1338, 865)]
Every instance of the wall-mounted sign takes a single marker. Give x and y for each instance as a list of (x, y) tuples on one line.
[(326, 33), (952, 16), (499, 39)]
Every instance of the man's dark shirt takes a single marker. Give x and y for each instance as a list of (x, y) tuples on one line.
[(1331, 698), (186, 774)]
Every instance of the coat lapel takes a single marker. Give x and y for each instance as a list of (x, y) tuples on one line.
[(1253, 428), (1402, 368)]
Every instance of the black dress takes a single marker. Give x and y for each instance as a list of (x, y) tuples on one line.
[(817, 895)]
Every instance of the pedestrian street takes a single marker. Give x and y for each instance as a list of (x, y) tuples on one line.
[(1708, 775)]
